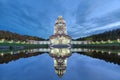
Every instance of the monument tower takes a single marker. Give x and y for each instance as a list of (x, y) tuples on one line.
[(60, 26), (60, 36)]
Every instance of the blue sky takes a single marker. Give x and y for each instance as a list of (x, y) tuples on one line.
[(37, 17)]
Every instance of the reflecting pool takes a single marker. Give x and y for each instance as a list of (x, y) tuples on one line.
[(68, 64)]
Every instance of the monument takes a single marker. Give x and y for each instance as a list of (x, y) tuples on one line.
[(60, 44), (60, 37)]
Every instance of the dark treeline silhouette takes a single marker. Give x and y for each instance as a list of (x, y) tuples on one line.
[(13, 57), (109, 35), (7, 35), (113, 47), (114, 58)]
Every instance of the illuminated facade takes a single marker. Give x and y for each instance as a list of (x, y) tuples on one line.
[(60, 66), (60, 56), (60, 33), (60, 52)]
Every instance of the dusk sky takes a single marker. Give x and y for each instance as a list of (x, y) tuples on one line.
[(37, 17)]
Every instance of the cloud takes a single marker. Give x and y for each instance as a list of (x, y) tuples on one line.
[(92, 18), (37, 17), (112, 25), (33, 18)]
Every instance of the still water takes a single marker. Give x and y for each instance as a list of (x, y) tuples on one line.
[(43, 64)]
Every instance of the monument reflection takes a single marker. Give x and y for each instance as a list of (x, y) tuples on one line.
[(60, 56)]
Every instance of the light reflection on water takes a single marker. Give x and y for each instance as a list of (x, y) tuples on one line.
[(68, 64)]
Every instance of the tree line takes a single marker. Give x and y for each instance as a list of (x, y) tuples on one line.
[(108, 35), (7, 35)]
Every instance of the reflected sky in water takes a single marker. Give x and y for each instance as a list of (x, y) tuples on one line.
[(41, 67)]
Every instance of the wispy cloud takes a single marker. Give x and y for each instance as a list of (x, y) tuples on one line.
[(108, 26), (83, 17)]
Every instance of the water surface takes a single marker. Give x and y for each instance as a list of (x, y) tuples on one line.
[(40, 66)]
